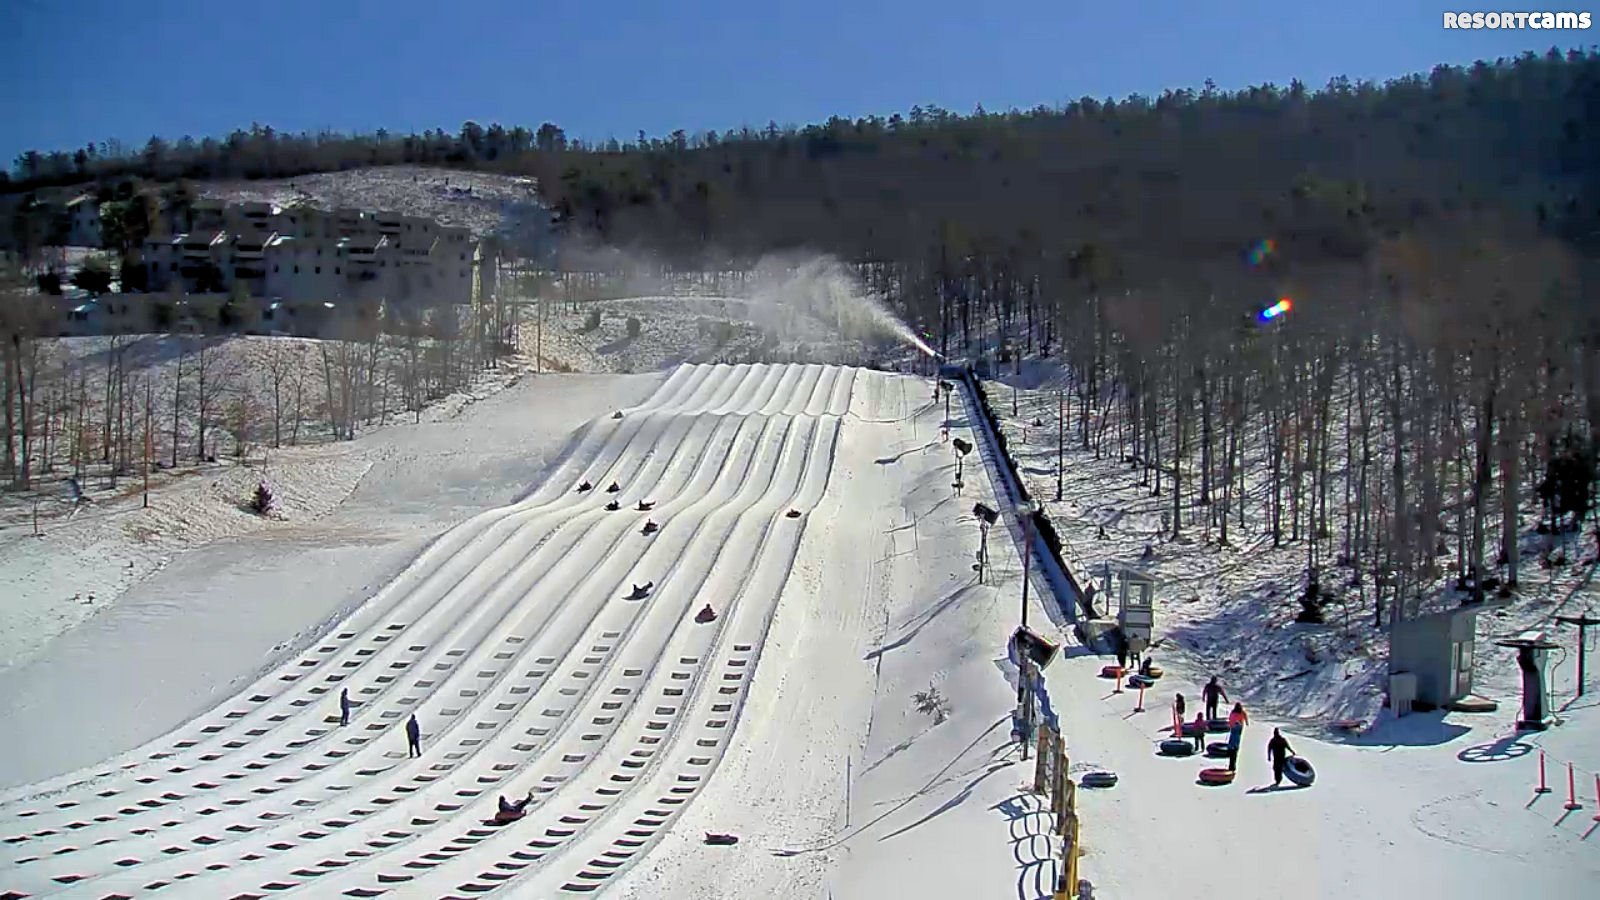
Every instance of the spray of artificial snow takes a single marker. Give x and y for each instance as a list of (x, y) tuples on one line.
[(821, 289)]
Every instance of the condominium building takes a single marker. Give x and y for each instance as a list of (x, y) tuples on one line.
[(309, 254)]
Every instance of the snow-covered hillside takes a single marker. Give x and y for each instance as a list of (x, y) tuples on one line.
[(788, 719), (484, 202)]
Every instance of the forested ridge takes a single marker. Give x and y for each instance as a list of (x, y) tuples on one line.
[(1437, 235)]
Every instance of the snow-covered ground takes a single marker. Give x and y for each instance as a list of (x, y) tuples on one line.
[(112, 541), (217, 595), (481, 201), (1230, 609), (788, 720)]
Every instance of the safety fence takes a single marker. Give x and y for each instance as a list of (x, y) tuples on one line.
[(1066, 587), (1052, 781)]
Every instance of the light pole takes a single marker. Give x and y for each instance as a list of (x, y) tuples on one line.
[(986, 517)]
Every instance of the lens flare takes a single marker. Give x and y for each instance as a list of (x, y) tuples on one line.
[(1283, 305), (1260, 250)]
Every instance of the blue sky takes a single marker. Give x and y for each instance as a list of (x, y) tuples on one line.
[(73, 71)]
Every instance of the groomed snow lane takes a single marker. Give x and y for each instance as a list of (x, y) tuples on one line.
[(511, 640)]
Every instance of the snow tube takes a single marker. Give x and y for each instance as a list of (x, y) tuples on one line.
[(1139, 681), (1190, 729), (1177, 747), (1112, 671), (1216, 775), (713, 837), (1154, 672), (503, 817), (1299, 772), (1098, 779), (1217, 749), (793, 513), (1217, 726)]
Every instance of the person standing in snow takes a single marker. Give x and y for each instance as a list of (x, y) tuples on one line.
[(1213, 693), (1199, 728), (344, 706), (1122, 656), (1278, 751), (413, 737), (1177, 715), (1236, 722)]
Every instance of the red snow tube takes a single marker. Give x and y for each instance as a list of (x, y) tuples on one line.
[(1112, 671), (503, 817), (1216, 776)]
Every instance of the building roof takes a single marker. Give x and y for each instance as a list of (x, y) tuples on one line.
[(203, 238)]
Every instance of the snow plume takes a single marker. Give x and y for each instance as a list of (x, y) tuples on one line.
[(825, 291)]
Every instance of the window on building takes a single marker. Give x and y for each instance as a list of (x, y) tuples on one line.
[(297, 270), (274, 267), (319, 269), (335, 270)]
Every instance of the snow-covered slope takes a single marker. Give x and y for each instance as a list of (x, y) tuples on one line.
[(510, 639), (481, 201)]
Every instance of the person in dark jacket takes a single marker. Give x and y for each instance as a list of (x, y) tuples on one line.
[(1278, 751), (1213, 693), (510, 808), (1122, 656), (344, 706), (413, 737), (1199, 729)]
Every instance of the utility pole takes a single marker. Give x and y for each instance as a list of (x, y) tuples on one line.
[(1583, 622)]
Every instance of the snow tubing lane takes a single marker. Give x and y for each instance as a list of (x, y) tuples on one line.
[(1111, 671), (1217, 750), (1216, 776), (1098, 779), (1300, 772), (1177, 747)]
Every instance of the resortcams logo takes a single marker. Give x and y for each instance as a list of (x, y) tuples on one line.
[(1551, 21)]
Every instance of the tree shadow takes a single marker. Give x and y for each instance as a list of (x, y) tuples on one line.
[(923, 619), (960, 797), (901, 804)]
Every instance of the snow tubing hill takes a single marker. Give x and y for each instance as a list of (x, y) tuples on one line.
[(1176, 747), (1299, 772), (1098, 779)]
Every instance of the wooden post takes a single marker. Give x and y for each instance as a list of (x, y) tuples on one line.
[(1041, 771)]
